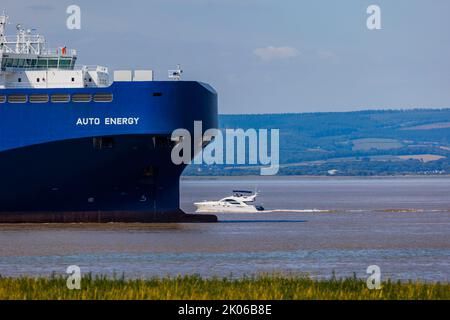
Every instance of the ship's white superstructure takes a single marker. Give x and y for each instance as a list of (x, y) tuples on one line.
[(240, 201), (25, 62)]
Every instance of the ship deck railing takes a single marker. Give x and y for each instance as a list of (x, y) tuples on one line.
[(30, 68), (55, 85), (59, 52), (50, 52)]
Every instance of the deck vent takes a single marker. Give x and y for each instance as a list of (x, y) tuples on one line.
[(2, 99), (39, 98), (60, 98), (81, 97), (103, 97), (122, 75), (143, 75), (17, 98)]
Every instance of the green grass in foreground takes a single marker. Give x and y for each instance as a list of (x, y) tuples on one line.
[(197, 288)]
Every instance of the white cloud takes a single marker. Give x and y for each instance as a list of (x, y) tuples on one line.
[(271, 53)]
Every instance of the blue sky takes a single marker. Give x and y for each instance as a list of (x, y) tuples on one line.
[(266, 56)]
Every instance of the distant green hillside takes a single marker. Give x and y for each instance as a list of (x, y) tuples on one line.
[(350, 143)]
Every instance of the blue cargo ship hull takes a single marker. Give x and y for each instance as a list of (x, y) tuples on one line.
[(99, 161)]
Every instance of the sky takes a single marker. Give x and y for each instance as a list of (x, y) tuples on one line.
[(266, 56)]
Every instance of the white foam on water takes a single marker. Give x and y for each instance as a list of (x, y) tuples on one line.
[(298, 210)]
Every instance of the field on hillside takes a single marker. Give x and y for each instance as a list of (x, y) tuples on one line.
[(368, 142)]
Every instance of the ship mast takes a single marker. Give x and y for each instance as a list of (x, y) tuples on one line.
[(24, 43), (3, 22)]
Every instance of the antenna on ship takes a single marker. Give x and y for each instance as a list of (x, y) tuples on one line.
[(176, 74)]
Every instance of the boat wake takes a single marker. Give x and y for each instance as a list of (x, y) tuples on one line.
[(410, 210), (300, 210)]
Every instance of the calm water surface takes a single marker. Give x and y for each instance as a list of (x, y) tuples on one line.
[(399, 224)]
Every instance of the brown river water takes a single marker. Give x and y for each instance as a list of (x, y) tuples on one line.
[(314, 226)]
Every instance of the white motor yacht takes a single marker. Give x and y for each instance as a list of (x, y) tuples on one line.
[(240, 201)]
